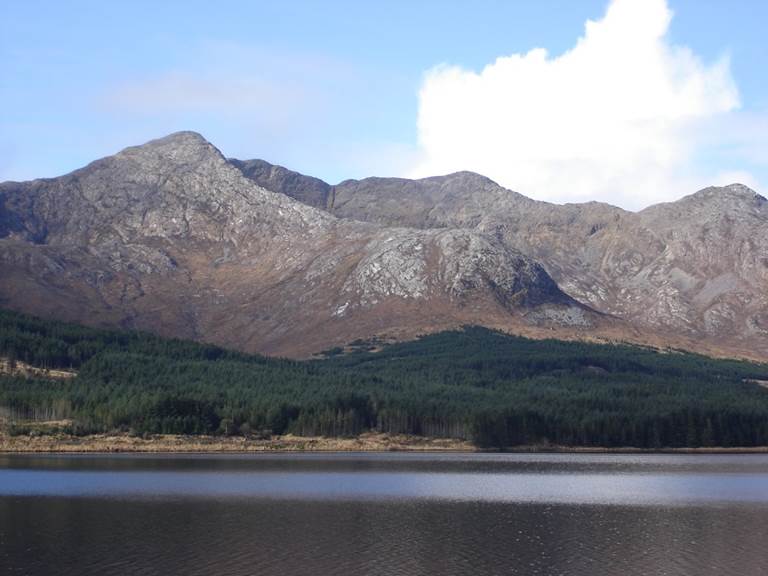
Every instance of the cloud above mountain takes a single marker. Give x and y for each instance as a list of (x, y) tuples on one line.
[(625, 116)]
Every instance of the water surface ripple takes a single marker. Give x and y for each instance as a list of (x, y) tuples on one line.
[(409, 514)]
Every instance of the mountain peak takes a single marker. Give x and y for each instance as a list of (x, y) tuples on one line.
[(178, 148), (742, 190), (731, 195), (183, 136), (466, 176)]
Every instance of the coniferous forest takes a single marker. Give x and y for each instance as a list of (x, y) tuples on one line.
[(494, 389)]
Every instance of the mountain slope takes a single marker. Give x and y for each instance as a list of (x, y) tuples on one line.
[(173, 238), (693, 271)]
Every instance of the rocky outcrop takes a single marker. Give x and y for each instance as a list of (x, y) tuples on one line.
[(173, 238)]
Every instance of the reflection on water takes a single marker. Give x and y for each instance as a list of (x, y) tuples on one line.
[(385, 514)]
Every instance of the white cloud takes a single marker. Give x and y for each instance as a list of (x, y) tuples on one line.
[(616, 118)]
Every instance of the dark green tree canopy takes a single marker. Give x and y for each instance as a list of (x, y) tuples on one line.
[(495, 389)]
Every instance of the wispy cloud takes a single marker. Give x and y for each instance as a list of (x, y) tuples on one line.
[(184, 92), (233, 81), (304, 110)]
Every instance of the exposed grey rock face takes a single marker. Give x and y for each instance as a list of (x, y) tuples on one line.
[(172, 237), (471, 260), (397, 262), (697, 268)]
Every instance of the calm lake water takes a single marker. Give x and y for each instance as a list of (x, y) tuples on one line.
[(402, 514)]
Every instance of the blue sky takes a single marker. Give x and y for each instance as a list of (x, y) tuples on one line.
[(336, 89)]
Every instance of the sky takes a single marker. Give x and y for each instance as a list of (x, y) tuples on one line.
[(630, 102)]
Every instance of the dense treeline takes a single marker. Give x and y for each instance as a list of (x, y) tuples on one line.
[(50, 344), (475, 383)]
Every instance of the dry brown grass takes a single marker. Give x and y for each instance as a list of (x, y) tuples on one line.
[(171, 443), (369, 442), (22, 369)]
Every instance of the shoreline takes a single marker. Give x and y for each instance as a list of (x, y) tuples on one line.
[(369, 442)]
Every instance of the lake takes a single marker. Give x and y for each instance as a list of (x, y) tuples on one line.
[(384, 513)]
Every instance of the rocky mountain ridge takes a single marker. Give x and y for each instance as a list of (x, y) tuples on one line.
[(173, 238), (694, 271)]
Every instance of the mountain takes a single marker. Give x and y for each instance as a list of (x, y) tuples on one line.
[(693, 272), (173, 238)]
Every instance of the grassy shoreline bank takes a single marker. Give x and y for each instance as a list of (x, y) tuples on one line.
[(369, 442)]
